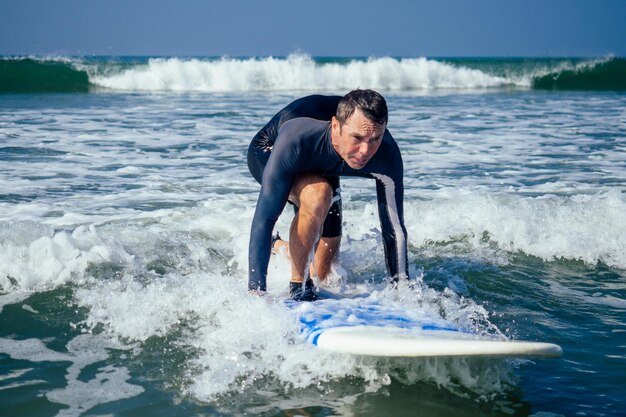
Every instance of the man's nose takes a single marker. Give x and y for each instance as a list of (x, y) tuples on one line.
[(365, 148)]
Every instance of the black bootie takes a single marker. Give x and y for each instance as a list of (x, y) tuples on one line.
[(299, 293)]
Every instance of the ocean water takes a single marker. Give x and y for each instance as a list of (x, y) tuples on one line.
[(125, 208)]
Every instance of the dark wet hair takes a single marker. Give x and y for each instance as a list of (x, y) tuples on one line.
[(370, 102)]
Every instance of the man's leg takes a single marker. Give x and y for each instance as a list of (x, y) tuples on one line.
[(312, 194), (325, 254)]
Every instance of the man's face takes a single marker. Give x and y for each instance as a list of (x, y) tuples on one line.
[(357, 140)]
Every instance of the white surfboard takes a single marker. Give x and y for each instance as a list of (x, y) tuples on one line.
[(361, 327)]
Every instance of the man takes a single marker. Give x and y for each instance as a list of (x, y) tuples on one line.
[(298, 158)]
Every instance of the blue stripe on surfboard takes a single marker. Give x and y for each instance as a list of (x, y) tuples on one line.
[(372, 315)]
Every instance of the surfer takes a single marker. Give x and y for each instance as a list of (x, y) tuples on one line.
[(298, 158)]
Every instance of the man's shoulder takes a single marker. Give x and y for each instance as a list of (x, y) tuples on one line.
[(303, 127), (314, 103), (314, 106)]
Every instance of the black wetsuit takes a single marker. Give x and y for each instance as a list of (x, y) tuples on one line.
[(298, 140)]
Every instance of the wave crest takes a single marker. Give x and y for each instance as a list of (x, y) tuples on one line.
[(606, 74), (27, 75), (301, 72), (296, 72)]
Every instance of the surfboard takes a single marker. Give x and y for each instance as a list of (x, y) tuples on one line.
[(371, 328)]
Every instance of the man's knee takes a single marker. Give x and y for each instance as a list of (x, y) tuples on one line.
[(314, 196)]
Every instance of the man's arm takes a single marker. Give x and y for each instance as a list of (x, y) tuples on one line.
[(278, 178), (390, 194)]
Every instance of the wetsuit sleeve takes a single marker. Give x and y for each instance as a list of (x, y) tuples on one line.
[(390, 195), (278, 178)]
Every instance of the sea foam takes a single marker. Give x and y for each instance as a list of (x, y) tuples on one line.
[(590, 228), (296, 73)]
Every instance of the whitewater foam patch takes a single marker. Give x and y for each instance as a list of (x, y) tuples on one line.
[(241, 340), (272, 350), (590, 228), (296, 73), (35, 257)]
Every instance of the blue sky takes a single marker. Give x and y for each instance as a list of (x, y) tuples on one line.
[(319, 28)]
